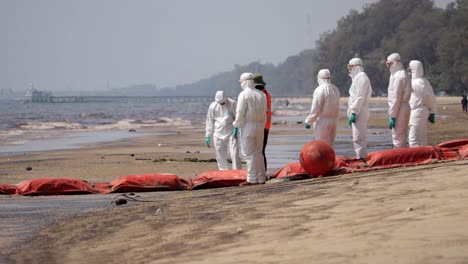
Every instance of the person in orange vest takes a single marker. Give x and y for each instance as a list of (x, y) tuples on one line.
[(260, 85)]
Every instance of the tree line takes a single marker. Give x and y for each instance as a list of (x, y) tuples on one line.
[(415, 29)]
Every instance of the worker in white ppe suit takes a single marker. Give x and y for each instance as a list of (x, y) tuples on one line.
[(219, 121), (422, 103), (325, 109), (399, 93), (250, 122), (358, 106)]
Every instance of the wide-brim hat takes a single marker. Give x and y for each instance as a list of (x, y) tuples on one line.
[(258, 79)]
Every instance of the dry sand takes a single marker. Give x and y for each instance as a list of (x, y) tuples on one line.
[(405, 215)]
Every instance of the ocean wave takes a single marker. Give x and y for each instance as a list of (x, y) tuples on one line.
[(50, 125), (25, 133)]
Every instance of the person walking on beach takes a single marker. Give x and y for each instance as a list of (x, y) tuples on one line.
[(422, 103), (358, 106), (325, 109), (399, 93), (464, 103), (260, 85), (219, 121), (250, 122)]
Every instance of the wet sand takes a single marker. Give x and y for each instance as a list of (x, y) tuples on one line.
[(408, 215)]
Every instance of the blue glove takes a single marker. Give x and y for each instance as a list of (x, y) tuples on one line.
[(307, 126), (234, 132), (207, 141), (432, 118), (352, 118), (391, 123)]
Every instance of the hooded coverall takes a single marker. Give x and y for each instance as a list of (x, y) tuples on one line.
[(422, 103), (325, 108), (399, 93), (358, 103), (219, 121), (250, 119)]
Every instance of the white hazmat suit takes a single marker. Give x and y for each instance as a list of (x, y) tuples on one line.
[(250, 119), (399, 93), (219, 121), (358, 103), (325, 108), (422, 103)]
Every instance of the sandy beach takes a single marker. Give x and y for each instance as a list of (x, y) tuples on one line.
[(404, 215)]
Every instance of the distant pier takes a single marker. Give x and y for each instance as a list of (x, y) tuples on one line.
[(46, 97)]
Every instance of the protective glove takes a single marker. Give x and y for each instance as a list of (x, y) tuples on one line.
[(207, 141), (307, 126), (432, 118), (234, 132), (352, 118), (391, 122)]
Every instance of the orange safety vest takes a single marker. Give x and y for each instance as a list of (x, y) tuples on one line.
[(268, 113)]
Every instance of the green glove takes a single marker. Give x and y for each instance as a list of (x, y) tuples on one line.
[(432, 118), (391, 123), (307, 126), (352, 118), (207, 141), (234, 132)]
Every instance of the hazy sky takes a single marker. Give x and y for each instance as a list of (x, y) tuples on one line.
[(88, 44)]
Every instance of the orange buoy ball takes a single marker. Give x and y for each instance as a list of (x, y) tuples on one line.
[(317, 157)]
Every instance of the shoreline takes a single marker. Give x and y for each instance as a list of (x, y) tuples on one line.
[(330, 219)]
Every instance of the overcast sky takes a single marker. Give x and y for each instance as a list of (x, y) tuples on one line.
[(92, 44)]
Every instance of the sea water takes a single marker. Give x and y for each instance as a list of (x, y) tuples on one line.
[(28, 127), (46, 126)]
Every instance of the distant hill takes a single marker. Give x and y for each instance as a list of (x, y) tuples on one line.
[(136, 90), (414, 28)]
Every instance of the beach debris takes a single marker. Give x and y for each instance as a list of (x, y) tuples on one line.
[(239, 230), (299, 122), (132, 130), (289, 178), (409, 209), (132, 155), (191, 159), (142, 159), (120, 201), (28, 168), (188, 151), (197, 151), (125, 197), (162, 145), (159, 211), (355, 182)]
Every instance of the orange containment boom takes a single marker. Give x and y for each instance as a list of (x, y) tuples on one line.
[(446, 151)]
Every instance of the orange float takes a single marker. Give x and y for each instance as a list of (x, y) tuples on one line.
[(317, 157)]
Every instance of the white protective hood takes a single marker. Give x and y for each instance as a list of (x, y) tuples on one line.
[(359, 67), (220, 98), (396, 63), (246, 80), (323, 77), (417, 69)]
